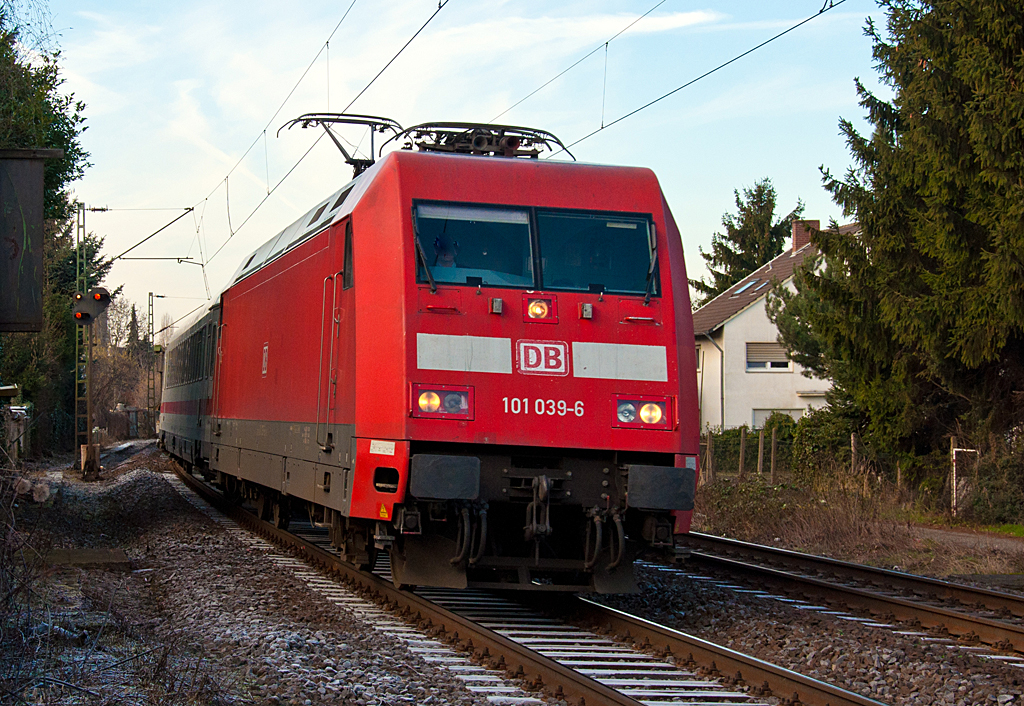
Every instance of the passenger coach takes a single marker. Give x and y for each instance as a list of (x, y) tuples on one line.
[(476, 360)]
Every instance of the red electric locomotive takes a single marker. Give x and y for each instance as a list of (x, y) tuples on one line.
[(474, 359)]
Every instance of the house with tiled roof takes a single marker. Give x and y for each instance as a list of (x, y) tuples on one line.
[(743, 372)]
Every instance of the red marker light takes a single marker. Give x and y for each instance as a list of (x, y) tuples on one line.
[(97, 296)]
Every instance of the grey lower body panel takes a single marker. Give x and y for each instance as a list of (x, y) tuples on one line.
[(436, 477), (661, 487), (282, 456)]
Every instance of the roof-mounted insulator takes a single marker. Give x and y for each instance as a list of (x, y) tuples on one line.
[(479, 139)]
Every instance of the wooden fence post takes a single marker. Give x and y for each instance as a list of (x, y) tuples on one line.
[(952, 472), (743, 453), (711, 458), (760, 452), (853, 454), (774, 450)]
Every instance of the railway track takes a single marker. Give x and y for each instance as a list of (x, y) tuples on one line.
[(973, 615), (597, 655)]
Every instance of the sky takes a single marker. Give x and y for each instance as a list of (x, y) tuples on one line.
[(185, 100)]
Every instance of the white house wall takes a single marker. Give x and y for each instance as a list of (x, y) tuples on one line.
[(708, 387), (746, 391)]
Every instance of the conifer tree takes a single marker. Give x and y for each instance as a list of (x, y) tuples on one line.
[(919, 317), (752, 237), (34, 112)]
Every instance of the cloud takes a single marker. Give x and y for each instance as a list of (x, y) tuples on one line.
[(178, 93)]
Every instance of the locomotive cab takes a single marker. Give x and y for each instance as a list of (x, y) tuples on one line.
[(544, 396)]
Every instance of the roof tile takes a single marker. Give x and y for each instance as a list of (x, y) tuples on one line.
[(732, 301)]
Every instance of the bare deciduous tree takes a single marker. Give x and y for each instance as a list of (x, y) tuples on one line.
[(166, 330)]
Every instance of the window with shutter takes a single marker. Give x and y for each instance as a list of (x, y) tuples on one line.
[(767, 356)]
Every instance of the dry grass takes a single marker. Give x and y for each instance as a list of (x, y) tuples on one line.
[(842, 522)]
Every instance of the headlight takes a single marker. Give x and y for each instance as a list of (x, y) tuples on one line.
[(441, 401), (626, 412), (650, 413), (430, 402), (643, 413), (455, 402), (537, 309)]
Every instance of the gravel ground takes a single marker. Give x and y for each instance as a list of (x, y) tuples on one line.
[(201, 618), (874, 662), (223, 623)]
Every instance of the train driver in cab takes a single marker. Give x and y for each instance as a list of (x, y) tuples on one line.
[(445, 251)]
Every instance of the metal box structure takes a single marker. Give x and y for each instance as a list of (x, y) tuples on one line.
[(21, 238)]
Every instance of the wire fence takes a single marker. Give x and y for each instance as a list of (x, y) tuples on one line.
[(778, 454)]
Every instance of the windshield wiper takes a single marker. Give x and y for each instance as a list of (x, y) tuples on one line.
[(426, 268), (654, 264), (422, 255)]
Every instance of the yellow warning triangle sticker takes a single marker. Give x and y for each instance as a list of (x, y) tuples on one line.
[(383, 512)]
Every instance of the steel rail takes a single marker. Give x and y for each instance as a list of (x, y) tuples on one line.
[(734, 667), (1002, 636), (541, 672), (968, 595)]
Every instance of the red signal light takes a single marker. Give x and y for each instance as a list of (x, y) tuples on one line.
[(97, 296)]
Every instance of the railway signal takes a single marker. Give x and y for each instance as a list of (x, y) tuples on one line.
[(89, 306)]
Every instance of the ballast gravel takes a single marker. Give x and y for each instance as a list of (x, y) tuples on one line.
[(261, 634), (873, 662), (258, 635)]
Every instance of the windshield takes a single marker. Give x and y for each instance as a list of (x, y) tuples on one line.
[(591, 252), (475, 245)]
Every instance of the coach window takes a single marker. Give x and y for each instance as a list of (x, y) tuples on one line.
[(474, 245), (598, 253)]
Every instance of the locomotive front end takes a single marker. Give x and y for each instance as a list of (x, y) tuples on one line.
[(550, 441)]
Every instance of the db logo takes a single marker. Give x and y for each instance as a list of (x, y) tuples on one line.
[(542, 357)]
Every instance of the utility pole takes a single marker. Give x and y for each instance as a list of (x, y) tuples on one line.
[(151, 383), (151, 377)]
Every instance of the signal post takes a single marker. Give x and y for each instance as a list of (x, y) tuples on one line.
[(87, 307)]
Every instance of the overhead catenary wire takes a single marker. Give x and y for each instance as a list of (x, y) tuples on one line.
[(266, 156), (286, 98), (171, 325), (270, 190), (563, 72), (440, 6), (264, 199), (262, 134), (154, 233), (829, 5)]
